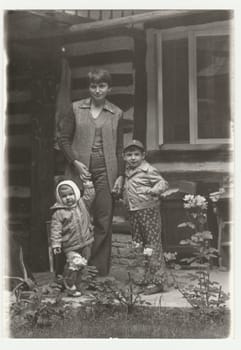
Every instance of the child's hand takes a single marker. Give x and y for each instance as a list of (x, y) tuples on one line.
[(154, 193), (118, 186), (169, 192), (56, 250), (82, 170)]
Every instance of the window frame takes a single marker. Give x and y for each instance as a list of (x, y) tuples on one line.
[(191, 33)]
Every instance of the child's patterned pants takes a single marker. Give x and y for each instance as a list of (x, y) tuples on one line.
[(146, 230)]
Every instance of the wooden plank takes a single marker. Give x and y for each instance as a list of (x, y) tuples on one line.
[(18, 119), (42, 168), (18, 83), (116, 68), (140, 101), (128, 20), (101, 58), (118, 80), (19, 206), (184, 167), (101, 45), (152, 130), (17, 156), (190, 156), (19, 141), (18, 129), (19, 96), (160, 117), (19, 192), (116, 90), (18, 167), (18, 108), (124, 101), (18, 177)]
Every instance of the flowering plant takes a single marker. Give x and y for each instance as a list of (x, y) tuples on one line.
[(196, 213), (76, 261), (148, 251)]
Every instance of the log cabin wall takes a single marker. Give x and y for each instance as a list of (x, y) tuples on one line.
[(18, 166), (31, 93)]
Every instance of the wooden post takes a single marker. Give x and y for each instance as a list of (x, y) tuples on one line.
[(140, 98), (42, 169)]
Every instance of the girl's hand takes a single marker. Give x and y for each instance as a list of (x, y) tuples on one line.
[(82, 170), (56, 250)]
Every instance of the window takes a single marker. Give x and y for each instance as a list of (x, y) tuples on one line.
[(194, 84)]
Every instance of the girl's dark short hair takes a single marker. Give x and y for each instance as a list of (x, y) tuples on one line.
[(99, 76)]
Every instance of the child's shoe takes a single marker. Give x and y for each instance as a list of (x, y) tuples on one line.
[(72, 291), (153, 289), (59, 280)]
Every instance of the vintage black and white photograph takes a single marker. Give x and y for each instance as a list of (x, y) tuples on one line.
[(119, 173)]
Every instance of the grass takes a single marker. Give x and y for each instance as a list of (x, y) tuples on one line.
[(144, 322)]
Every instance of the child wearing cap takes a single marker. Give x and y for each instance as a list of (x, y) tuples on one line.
[(71, 230), (143, 186)]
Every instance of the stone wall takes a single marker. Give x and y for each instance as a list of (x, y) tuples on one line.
[(123, 259)]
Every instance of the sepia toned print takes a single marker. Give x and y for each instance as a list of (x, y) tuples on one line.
[(82, 85)]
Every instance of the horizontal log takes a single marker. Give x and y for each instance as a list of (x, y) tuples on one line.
[(116, 68), (19, 192), (18, 119), (116, 90), (19, 141), (14, 155), (18, 206), (101, 45), (19, 96), (18, 167), (118, 80), (18, 130), (18, 177), (102, 58), (18, 83), (124, 101), (184, 167), (19, 107), (191, 156), (128, 20)]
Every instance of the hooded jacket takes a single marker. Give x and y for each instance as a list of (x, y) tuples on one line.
[(71, 228)]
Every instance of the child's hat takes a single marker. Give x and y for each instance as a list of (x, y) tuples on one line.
[(135, 143)]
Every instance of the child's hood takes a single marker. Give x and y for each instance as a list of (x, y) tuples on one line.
[(74, 188)]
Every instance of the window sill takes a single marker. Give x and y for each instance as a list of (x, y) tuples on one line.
[(196, 147), (191, 153)]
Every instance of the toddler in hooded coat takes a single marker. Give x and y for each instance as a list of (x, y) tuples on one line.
[(71, 230)]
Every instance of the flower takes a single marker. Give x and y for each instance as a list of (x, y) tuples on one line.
[(148, 251), (76, 261), (191, 201), (136, 244), (170, 256)]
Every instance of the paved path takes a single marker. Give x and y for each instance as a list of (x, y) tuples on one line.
[(172, 298)]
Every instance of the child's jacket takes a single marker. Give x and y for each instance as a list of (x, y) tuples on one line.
[(138, 183), (71, 227)]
